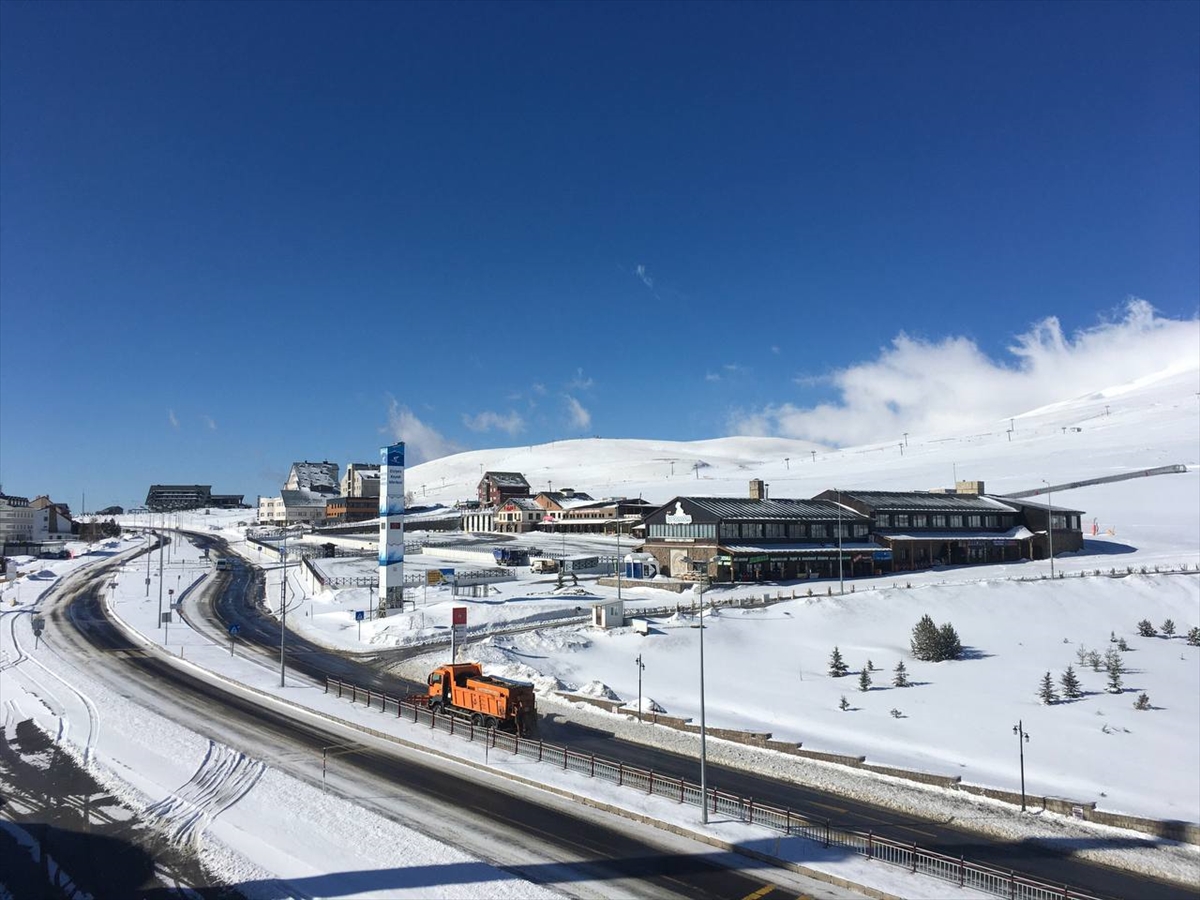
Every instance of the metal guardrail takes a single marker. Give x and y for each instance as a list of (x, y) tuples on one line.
[(959, 871)]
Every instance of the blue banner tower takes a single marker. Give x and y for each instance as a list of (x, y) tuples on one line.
[(391, 527)]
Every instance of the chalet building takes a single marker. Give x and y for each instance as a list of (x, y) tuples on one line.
[(292, 507), (557, 501), (930, 528), (497, 487), (614, 516), (361, 480), (352, 509), (317, 477), (517, 515), (1067, 526), (757, 539), (170, 497)]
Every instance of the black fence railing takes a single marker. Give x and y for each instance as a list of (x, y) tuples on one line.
[(955, 870)]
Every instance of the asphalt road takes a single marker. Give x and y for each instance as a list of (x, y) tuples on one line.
[(1055, 864), (581, 848)]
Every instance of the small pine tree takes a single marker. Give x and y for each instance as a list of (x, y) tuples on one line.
[(870, 666), (1070, 684), (837, 666), (1112, 635), (900, 678), (1081, 655), (1095, 660), (924, 642), (1145, 629), (1122, 646), (1142, 702), (1193, 637), (949, 646), (1115, 670), (1114, 681), (1046, 692), (864, 681), (1168, 627), (843, 704)]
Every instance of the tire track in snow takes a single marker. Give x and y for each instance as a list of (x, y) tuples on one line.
[(223, 778)]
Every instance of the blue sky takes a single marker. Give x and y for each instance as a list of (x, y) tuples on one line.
[(237, 235)]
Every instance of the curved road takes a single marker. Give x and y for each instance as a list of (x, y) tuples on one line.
[(240, 602), (582, 848)]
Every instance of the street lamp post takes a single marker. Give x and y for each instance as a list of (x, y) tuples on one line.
[(1050, 524), (619, 571), (161, 550), (147, 554), (703, 729), (283, 610), (1022, 740), (841, 580), (641, 665)]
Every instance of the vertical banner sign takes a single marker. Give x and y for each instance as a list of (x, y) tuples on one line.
[(458, 630), (391, 526)]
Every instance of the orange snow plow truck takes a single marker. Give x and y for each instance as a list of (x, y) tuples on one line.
[(487, 700)]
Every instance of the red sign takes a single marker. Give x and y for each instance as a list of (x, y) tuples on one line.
[(458, 615)]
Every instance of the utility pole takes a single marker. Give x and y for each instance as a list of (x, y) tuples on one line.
[(1050, 524), (703, 730), (161, 550)]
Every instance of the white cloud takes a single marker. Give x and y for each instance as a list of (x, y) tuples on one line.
[(580, 382), (578, 417), (422, 442), (775, 349), (641, 273), (171, 418), (539, 389), (488, 420), (712, 376), (209, 423), (931, 387)]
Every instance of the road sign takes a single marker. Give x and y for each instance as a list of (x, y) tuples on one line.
[(359, 615), (234, 629), (458, 615), (166, 618), (39, 623)]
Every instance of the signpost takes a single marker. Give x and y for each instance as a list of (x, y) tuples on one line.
[(458, 630), (233, 633), (39, 622), (358, 617)]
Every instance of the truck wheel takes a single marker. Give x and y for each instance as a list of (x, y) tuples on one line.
[(476, 719), (490, 722), (435, 706)]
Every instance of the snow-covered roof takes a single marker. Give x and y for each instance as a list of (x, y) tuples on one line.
[(506, 479), (769, 549), (296, 499), (1019, 533), (525, 503), (745, 508), (314, 476), (926, 500)]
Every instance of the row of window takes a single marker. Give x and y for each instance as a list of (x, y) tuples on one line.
[(785, 530), (780, 530), (939, 520)]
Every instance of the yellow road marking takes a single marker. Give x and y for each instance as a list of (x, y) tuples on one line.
[(761, 892)]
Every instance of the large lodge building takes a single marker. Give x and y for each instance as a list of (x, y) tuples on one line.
[(872, 532)]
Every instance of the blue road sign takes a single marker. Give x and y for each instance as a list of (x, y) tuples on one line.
[(234, 629), (359, 615)]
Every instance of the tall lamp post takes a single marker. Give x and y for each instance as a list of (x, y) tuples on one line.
[(703, 730), (641, 665), (1050, 524), (1022, 740), (283, 608), (841, 580), (161, 551)]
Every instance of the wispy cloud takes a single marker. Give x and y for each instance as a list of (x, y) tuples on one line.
[(209, 423), (733, 367), (580, 382), (936, 386), (577, 416), (712, 376), (171, 418), (489, 420), (775, 349), (644, 276), (539, 389), (422, 442)]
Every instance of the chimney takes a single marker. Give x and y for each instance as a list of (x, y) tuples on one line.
[(758, 489), (968, 487)]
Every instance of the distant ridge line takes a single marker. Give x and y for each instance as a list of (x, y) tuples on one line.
[(1176, 469)]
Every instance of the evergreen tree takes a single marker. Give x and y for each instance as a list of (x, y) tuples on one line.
[(1193, 637), (1095, 660), (1145, 629), (1168, 628), (924, 641), (837, 666), (900, 679), (870, 666), (1115, 670), (1112, 637), (1142, 702), (864, 681), (1082, 655), (1070, 684), (949, 646), (844, 704), (1046, 692), (1122, 646)]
